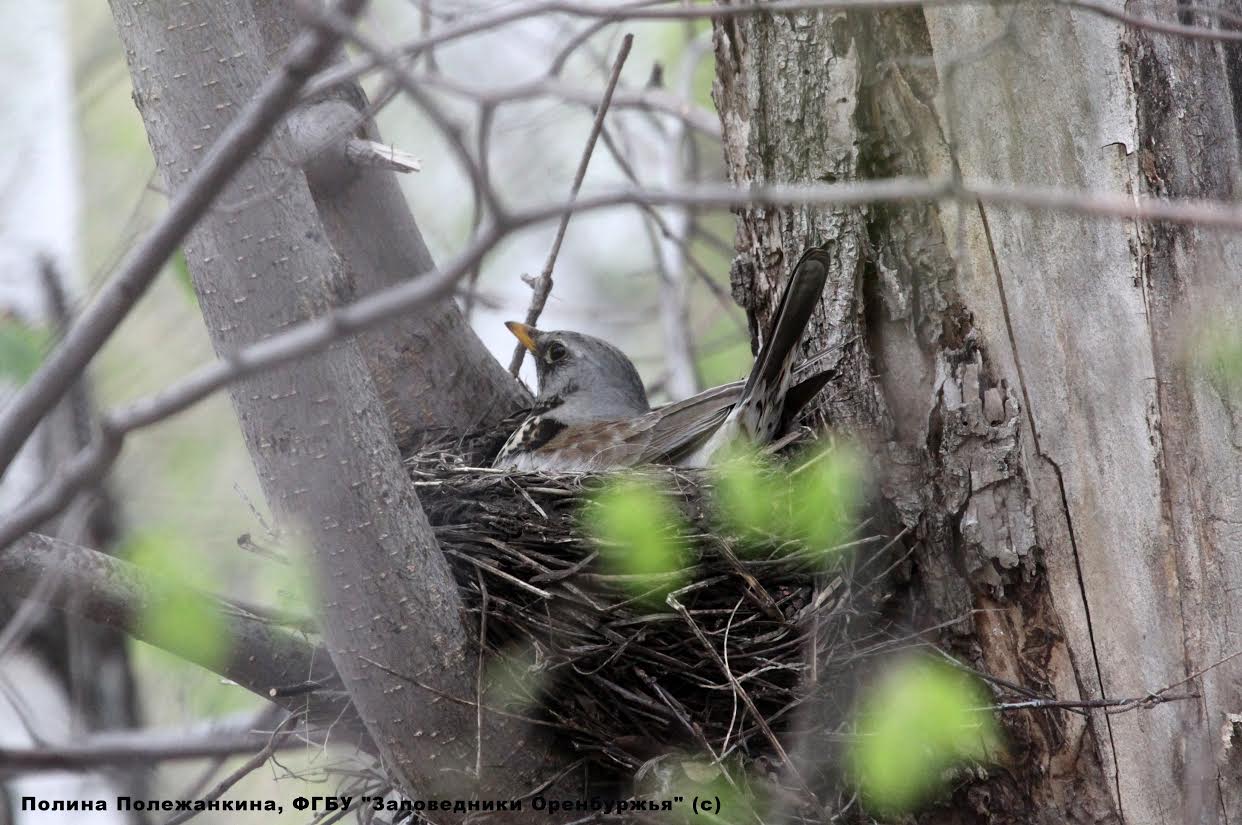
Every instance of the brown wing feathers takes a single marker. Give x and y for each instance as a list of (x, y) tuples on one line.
[(793, 313)]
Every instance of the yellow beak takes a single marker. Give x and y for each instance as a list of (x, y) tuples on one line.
[(522, 332)]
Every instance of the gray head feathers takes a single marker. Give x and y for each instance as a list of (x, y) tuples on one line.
[(587, 378)]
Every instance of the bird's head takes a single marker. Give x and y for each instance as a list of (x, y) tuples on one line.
[(593, 379)]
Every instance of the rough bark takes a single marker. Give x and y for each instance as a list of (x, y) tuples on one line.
[(317, 432), (1188, 112), (1021, 374)]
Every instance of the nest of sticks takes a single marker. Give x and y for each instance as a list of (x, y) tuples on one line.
[(721, 667)]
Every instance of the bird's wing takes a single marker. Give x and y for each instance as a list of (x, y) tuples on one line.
[(583, 448), (666, 435), (678, 428), (675, 430)]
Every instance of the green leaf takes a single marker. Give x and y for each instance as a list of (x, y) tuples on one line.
[(181, 272), (640, 534), (748, 493), (813, 503), (824, 496), (186, 622), (720, 801), (923, 719), (1217, 353), (22, 347)]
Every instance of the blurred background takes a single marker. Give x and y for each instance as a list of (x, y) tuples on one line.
[(84, 187)]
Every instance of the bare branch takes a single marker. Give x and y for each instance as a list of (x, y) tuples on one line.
[(112, 592), (428, 392), (1159, 26), (313, 335), (543, 284), (1111, 706), (110, 754), (646, 10), (650, 100), (362, 152), (226, 156), (253, 763), (673, 251)]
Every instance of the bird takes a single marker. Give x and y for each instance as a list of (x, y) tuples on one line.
[(591, 412)]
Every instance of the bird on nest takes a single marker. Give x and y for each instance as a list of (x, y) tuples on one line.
[(592, 414)]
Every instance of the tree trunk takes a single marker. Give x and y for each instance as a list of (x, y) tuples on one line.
[(269, 255), (433, 374), (1071, 486)]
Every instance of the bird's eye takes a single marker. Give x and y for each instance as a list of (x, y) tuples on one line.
[(556, 352)]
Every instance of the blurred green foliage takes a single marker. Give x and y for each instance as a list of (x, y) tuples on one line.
[(640, 533), (813, 499), (182, 475), (730, 799), (826, 491), (920, 721), (181, 272), (807, 503), (185, 623), (1217, 353), (22, 347)]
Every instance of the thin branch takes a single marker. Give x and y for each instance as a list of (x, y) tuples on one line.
[(543, 284), (1200, 672), (115, 593), (739, 691), (372, 154), (722, 297), (1150, 24), (484, 194), (647, 10), (95, 755), (573, 44), (263, 720), (648, 100), (276, 96), (1112, 706), (244, 770), (478, 676), (400, 300)]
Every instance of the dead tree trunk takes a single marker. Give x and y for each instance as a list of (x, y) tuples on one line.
[(1070, 485)]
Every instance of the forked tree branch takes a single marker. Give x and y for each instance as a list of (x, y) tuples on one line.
[(227, 155), (317, 431), (260, 656)]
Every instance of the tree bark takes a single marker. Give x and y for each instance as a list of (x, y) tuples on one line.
[(317, 432), (433, 374), (1070, 485)]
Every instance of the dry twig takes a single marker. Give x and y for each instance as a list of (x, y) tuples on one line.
[(543, 284)]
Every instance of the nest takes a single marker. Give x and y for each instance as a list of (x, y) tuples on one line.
[(719, 668)]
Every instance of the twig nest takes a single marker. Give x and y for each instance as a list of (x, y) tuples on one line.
[(712, 655)]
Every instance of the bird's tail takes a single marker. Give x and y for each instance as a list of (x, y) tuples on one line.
[(762, 397)]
